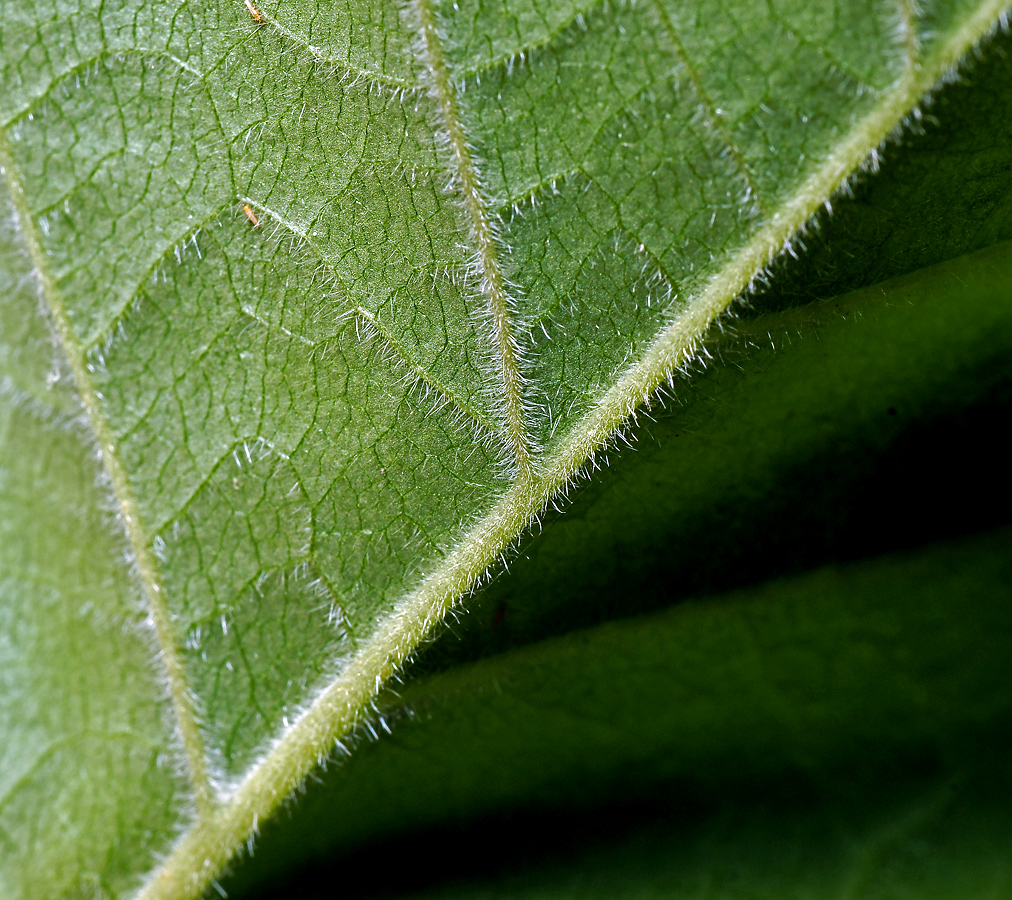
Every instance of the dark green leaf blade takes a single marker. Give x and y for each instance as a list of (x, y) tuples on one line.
[(836, 690)]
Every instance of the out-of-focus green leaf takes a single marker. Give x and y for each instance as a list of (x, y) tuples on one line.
[(838, 731), (87, 786), (943, 836)]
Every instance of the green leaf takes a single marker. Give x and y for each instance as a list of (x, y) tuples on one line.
[(343, 298), (858, 664)]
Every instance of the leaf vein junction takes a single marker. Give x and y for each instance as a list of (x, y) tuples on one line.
[(35, 101), (494, 287), (370, 320), (379, 80), (711, 115)]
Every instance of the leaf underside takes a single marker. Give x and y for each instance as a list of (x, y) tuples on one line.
[(343, 296), (886, 665)]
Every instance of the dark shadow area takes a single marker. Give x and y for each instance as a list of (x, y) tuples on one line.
[(523, 846), (780, 701), (944, 190), (932, 468), (637, 539)]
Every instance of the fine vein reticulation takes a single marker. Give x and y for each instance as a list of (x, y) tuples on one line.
[(140, 544), (207, 847), (493, 281)]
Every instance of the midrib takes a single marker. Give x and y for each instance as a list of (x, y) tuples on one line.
[(140, 544), (507, 349)]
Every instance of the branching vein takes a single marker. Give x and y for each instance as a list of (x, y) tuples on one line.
[(379, 79), (368, 317), (140, 545), (493, 281)]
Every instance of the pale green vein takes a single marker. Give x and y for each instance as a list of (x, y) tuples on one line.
[(493, 282), (353, 74), (376, 78), (140, 545), (834, 61), (206, 848), (712, 115), (63, 743), (371, 320), (36, 100), (508, 60), (422, 374), (909, 33), (533, 191), (177, 242)]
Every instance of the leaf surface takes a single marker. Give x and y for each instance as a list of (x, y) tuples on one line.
[(343, 297), (874, 669)]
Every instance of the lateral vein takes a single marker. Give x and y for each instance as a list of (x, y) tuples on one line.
[(207, 847), (140, 545), (494, 287), (712, 114), (379, 79), (421, 372)]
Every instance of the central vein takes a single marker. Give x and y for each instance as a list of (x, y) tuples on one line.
[(494, 289)]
